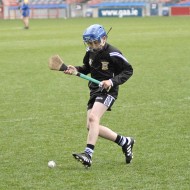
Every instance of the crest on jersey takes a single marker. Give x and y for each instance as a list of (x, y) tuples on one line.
[(90, 62), (104, 65)]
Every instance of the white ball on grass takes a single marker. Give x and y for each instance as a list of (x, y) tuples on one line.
[(51, 164)]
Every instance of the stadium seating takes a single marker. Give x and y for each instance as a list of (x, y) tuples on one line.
[(89, 2), (46, 2), (92, 2), (184, 1), (33, 2), (10, 2)]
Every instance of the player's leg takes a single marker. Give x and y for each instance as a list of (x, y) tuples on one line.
[(27, 22), (25, 15), (125, 142), (93, 118), (104, 132), (95, 129)]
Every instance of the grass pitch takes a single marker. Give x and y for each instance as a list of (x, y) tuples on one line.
[(43, 113)]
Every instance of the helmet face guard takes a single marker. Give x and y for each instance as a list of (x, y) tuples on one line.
[(94, 33)]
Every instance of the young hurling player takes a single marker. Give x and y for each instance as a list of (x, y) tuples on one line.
[(25, 11), (106, 64)]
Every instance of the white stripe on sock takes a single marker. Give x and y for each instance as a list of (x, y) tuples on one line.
[(89, 151), (123, 141)]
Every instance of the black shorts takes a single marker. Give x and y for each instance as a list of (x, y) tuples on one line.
[(105, 99)]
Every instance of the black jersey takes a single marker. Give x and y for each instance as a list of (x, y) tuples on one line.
[(108, 63)]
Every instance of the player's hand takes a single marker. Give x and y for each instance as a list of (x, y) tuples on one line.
[(106, 84), (71, 70)]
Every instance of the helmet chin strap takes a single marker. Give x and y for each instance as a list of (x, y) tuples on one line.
[(102, 43)]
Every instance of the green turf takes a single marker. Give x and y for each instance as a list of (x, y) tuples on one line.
[(43, 113)]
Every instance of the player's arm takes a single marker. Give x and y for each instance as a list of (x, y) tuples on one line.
[(123, 70), (56, 63)]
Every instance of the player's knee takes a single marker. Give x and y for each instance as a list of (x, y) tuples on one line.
[(92, 119)]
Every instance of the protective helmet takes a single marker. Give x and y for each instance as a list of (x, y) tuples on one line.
[(93, 33)]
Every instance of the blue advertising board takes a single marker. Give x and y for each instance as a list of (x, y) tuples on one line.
[(120, 12)]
